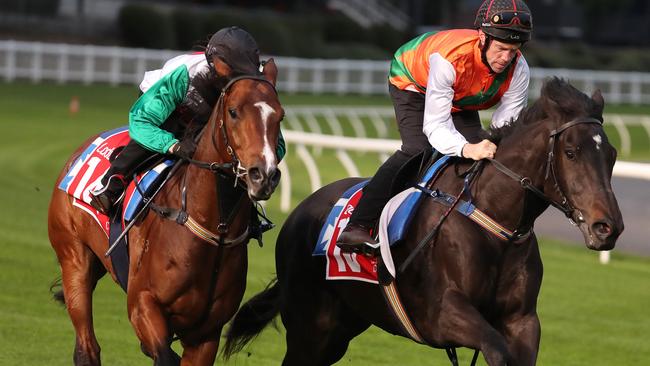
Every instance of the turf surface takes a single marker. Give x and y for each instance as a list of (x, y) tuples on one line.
[(591, 314)]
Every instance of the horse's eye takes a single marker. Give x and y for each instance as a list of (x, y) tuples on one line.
[(233, 112), (570, 154)]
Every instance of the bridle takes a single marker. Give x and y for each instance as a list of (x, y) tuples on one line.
[(234, 165), (222, 172), (573, 214)]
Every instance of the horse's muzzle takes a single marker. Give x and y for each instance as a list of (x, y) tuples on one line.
[(262, 183), (601, 234)]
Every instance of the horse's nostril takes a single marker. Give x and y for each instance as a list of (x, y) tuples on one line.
[(275, 177), (602, 229), (255, 174)]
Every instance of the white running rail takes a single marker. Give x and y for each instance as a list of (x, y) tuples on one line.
[(66, 63), (304, 140)]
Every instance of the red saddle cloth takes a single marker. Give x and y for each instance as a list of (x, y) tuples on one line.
[(344, 266), (87, 171)]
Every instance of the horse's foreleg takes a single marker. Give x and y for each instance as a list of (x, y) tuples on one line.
[(460, 323), (517, 296), (151, 328), (200, 354), (522, 334)]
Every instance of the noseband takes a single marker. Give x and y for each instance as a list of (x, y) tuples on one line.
[(574, 215), (237, 168)]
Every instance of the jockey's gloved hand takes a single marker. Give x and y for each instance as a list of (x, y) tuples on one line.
[(183, 149)]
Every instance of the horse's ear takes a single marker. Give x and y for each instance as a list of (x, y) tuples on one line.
[(222, 68), (270, 71), (599, 101)]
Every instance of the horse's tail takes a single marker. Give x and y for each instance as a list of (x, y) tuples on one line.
[(252, 318), (56, 289)]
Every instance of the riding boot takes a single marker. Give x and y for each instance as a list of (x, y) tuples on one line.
[(105, 198), (258, 226), (127, 162), (356, 236)]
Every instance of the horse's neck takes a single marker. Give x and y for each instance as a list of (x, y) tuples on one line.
[(523, 152), (203, 186)]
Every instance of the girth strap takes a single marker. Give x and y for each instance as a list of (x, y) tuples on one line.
[(395, 304)]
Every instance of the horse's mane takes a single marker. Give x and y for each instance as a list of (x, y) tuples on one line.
[(557, 97)]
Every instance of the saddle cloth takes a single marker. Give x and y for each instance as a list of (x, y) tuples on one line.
[(87, 171), (393, 223)]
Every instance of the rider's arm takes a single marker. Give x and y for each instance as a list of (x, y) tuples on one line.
[(515, 98), (153, 108), (438, 125)]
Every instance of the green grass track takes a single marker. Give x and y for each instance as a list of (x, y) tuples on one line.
[(591, 314)]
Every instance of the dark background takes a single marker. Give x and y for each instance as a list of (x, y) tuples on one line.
[(579, 34)]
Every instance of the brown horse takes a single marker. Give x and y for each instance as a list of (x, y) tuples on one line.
[(467, 288), (179, 285)]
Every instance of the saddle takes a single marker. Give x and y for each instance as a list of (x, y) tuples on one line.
[(421, 168)]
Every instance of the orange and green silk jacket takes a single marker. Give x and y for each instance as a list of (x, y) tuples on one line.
[(447, 68)]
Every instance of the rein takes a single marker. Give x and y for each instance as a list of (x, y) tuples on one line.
[(468, 209), (574, 215), (221, 170)]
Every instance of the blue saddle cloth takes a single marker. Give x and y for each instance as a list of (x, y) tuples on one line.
[(401, 219)]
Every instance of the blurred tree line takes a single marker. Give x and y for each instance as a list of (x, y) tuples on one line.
[(283, 34), (585, 34)]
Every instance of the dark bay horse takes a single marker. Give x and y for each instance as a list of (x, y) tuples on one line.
[(180, 285), (468, 288)]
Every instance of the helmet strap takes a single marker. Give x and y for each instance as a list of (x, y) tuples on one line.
[(484, 48)]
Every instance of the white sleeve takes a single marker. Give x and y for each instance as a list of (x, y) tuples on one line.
[(150, 78), (438, 125), (515, 98), (192, 61)]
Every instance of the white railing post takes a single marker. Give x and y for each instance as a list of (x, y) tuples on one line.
[(10, 60), (366, 78), (36, 73), (635, 88), (285, 187), (342, 76), (293, 72), (115, 66), (140, 69), (89, 64), (615, 89), (626, 140), (317, 86), (63, 70)]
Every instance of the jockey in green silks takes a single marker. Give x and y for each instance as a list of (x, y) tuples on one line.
[(177, 101)]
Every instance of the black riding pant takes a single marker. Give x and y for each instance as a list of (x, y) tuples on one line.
[(409, 112), (134, 158)]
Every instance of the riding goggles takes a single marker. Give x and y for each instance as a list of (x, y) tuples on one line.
[(507, 18)]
